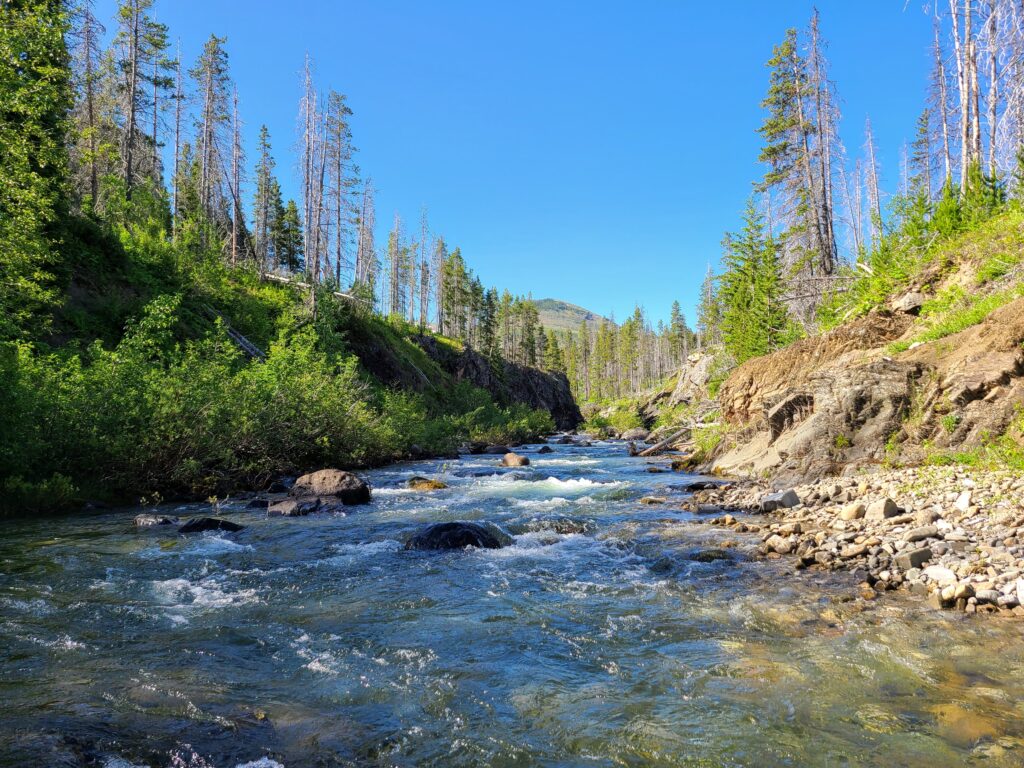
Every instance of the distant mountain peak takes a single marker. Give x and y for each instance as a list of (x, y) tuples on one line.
[(558, 315)]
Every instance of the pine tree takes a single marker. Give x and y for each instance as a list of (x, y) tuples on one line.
[(288, 242)]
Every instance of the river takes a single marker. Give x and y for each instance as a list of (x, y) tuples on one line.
[(594, 639)]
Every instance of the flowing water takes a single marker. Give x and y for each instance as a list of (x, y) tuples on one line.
[(319, 641)]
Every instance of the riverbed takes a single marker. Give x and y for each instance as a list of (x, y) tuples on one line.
[(607, 633)]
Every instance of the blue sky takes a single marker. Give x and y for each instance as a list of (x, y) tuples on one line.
[(589, 151)]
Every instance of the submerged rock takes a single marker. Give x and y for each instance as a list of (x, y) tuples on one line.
[(295, 507), (147, 520), (425, 484), (453, 536), (347, 487), (514, 460), (710, 555), (545, 449), (200, 524)]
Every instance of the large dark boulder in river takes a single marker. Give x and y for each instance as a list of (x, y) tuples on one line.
[(348, 488), (200, 524), (545, 449), (453, 536)]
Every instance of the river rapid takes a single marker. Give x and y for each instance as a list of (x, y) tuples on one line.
[(598, 637)]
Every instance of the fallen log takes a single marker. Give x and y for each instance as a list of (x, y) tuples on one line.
[(666, 442), (658, 447)]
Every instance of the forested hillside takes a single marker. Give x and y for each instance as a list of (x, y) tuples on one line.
[(164, 331)]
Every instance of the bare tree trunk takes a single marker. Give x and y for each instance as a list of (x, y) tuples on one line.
[(960, 50), (156, 117), (874, 195), (943, 97), (235, 185), (993, 89), (808, 177)]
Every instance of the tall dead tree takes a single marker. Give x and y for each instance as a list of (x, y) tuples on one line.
[(236, 178), (871, 180), (940, 103)]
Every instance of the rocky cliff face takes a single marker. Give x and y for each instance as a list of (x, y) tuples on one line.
[(513, 384), (842, 401)]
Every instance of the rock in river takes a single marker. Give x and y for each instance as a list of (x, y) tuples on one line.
[(425, 484), (294, 507), (348, 488), (146, 520), (545, 449), (453, 536), (514, 460), (200, 524)]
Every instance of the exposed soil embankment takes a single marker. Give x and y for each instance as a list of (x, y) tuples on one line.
[(836, 403)]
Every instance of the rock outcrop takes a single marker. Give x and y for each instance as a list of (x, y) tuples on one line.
[(836, 403)]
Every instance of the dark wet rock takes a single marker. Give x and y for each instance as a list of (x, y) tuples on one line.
[(456, 535), (710, 555), (258, 503), (649, 500), (345, 486), (200, 524), (545, 449), (514, 460), (147, 520), (563, 440), (696, 485), (295, 507), (425, 484), (281, 485), (657, 470), (496, 450)]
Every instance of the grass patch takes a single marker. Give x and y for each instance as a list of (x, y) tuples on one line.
[(960, 316)]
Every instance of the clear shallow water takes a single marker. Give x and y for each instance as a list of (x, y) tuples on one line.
[(319, 641)]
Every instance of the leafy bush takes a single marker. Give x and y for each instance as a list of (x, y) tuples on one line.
[(194, 418)]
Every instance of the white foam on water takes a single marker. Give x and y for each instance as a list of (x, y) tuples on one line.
[(263, 762), (203, 594), (60, 643), (37, 606), (349, 553), (565, 462), (203, 546), (557, 501), (120, 762)]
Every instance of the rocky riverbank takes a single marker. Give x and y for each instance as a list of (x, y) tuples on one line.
[(953, 535)]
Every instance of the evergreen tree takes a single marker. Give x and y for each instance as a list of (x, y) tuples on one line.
[(35, 83), (288, 245)]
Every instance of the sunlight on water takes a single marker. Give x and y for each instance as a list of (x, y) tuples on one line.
[(594, 638)]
